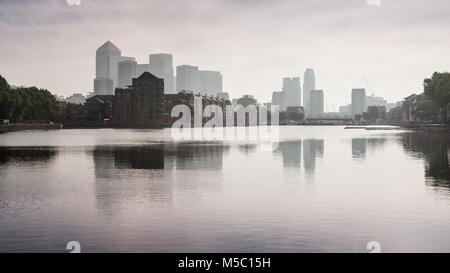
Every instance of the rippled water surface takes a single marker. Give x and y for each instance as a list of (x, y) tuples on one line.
[(323, 189)]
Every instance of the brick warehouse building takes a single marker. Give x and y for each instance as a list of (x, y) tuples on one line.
[(141, 104)]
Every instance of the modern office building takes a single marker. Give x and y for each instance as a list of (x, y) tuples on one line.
[(107, 59), (126, 73), (359, 104), (103, 86), (161, 65), (278, 99), (309, 84), (316, 102), (190, 78), (292, 92), (142, 68)]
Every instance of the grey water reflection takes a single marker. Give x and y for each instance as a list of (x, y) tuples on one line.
[(137, 191), (291, 152), (435, 150), (150, 173), (359, 146), (312, 149), (26, 154)]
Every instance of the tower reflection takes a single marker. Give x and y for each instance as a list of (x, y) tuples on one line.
[(312, 148)]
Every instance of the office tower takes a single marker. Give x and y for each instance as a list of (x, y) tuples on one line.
[(309, 84), (141, 69), (210, 82), (188, 78), (358, 102), (316, 103), (126, 73), (107, 59), (292, 92), (103, 86), (161, 65), (278, 99)]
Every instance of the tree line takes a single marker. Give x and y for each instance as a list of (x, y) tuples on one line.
[(436, 99), (27, 103)]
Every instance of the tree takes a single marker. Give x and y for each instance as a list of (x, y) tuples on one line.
[(426, 110), (29, 103), (5, 96), (437, 88)]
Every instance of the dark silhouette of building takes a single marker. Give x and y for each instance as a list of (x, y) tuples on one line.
[(141, 104), (100, 108)]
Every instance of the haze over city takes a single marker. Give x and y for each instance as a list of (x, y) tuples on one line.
[(254, 44)]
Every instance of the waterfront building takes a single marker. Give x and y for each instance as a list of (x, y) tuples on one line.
[(316, 104), (99, 108), (358, 102), (141, 104)]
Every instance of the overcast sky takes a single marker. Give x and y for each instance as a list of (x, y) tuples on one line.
[(254, 43)]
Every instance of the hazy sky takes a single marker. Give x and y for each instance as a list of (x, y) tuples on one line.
[(254, 43)]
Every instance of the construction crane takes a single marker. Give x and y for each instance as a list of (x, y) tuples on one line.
[(368, 86)]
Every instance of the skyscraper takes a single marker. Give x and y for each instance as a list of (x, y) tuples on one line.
[(292, 92), (210, 82), (309, 84), (358, 102), (190, 78), (126, 73), (316, 102), (107, 59), (161, 65), (277, 99)]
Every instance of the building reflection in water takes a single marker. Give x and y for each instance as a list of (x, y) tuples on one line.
[(291, 152), (435, 150), (312, 148), (359, 147), (125, 175)]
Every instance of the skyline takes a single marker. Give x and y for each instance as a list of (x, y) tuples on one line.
[(395, 45)]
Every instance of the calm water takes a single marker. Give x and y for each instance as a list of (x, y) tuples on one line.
[(324, 189)]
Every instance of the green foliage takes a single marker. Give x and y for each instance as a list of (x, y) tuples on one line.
[(437, 88), (26, 103), (426, 109)]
